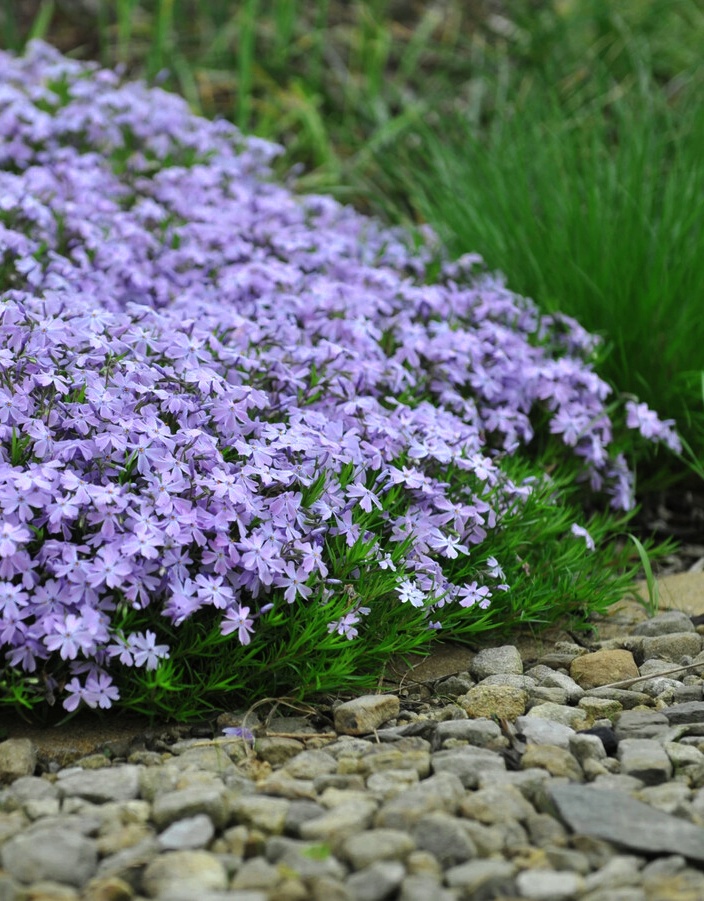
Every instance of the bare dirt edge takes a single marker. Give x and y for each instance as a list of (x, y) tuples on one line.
[(116, 733)]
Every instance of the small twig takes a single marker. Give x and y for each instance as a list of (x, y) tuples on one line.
[(302, 736), (628, 682)]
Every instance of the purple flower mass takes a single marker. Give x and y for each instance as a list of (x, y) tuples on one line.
[(206, 381)]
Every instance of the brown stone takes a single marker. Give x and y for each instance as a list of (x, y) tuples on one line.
[(503, 701), (603, 668), (362, 716), (557, 761), (18, 757)]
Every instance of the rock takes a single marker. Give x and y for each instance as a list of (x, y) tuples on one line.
[(423, 886), (641, 724), (339, 780), (586, 747), (544, 695), (562, 655), (368, 847), (325, 888), (557, 761), (309, 764), (102, 785), (539, 731), (645, 759), (32, 788), (340, 822), (549, 885), (628, 698), (184, 873), (603, 667), (496, 804), (489, 661), (188, 834), (664, 624), (188, 802), (276, 750), (512, 679), (502, 701), (620, 870), (467, 763), (282, 786), (309, 860), (377, 881), (443, 791), (626, 893), (299, 813), (18, 757), (45, 890), (445, 838), (654, 666), (363, 715), (691, 712), (669, 797), (683, 755), (627, 823), (207, 758), (600, 708), (574, 717), (107, 889), (672, 647), (54, 853), (482, 880), (390, 783), (454, 686), (381, 758), (481, 732), (550, 678), (264, 813), (256, 873)]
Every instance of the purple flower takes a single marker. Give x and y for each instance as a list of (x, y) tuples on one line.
[(639, 416), (366, 498), (239, 732), (99, 691), (238, 619), (293, 581), (409, 593), (109, 568), (145, 651), (472, 593), (11, 536), (201, 373), (581, 532)]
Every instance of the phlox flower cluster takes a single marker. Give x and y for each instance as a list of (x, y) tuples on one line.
[(206, 380)]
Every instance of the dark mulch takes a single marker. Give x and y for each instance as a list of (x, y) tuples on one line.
[(677, 514)]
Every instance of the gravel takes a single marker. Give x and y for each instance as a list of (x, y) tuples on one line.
[(533, 779)]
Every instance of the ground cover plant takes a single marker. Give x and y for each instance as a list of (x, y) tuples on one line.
[(254, 442), (558, 139)]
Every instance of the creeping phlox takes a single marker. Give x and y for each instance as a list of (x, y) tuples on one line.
[(204, 380)]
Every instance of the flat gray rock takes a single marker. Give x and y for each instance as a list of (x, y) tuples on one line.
[(689, 712), (618, 818), (665, 624)]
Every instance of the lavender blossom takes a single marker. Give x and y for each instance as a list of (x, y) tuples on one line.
[(206, 381)]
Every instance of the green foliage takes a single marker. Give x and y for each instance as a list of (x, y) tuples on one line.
[(592, 207), (558, 139)]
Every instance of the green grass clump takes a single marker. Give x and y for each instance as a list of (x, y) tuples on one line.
[(597, 212)]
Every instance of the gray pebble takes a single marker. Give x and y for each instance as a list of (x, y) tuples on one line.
[(418, 801), (489, 661)]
